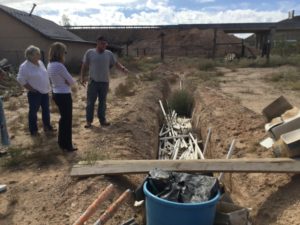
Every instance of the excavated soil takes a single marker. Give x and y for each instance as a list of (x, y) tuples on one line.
[(41, 191)]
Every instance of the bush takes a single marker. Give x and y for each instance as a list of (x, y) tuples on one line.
[(274, 61), (126, 89), (207, 65), (141, 64), (288, 79), (182, 102)]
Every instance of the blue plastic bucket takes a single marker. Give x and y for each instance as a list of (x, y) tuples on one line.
[(163, 212)]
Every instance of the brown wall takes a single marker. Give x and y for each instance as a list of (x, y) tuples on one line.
[(15, 37), (75, 54)]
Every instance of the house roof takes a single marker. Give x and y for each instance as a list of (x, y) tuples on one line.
[(45, 27), (294, 20)]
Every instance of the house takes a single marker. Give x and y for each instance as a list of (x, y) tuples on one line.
[(20, 29)]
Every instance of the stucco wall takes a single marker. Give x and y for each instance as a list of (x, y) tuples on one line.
[(15, 37)]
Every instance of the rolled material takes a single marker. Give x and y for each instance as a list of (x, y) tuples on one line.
[(113, 208), (104, 195)]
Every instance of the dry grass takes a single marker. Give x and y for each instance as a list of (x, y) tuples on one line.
[(90, 157), (13, 104), (247, 91), (127, 88), (15, 159), (209, 78), (274, 61), (288, 79), (207, 65), (182, 101), (141, 64)]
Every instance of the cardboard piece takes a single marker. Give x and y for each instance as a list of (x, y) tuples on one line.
[(288, 121), (231, 214), (267, 142), (276, 108)]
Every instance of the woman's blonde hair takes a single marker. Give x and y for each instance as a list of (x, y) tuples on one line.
[(56, 52)]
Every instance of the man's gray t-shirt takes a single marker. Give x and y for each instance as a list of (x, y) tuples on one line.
[(99, 64)]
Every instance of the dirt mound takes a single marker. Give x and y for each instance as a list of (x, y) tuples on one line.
[(190, 42)]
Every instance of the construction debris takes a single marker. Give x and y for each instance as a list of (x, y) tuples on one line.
[(3, 187), (131, 221), (229, 213), (176, 140), (113, 208), (109, 212), (283, 127), (104, 195)]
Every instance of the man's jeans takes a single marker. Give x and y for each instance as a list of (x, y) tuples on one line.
[(3, 128), (35, 100), (94, 90)]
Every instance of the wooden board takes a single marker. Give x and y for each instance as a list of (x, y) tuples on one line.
[(267, 165)]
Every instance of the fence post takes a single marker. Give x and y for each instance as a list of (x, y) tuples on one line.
[(243, 49), (162, 46), (214, 44)]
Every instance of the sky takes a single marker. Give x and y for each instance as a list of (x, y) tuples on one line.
[(157, 12)]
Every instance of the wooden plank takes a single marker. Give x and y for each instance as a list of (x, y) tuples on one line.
[(266, 165)]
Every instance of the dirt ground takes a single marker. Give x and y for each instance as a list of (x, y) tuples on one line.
[(41, 191), (234, 112)]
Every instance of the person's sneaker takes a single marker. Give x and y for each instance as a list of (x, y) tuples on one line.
[(35, 134), (88, 125), (72, 149), (3, 152), (105, 124)]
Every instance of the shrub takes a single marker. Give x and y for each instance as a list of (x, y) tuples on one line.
[(274, 61), (125, 89), (141, 64), (207, 64), (182, 102), (288, 79)]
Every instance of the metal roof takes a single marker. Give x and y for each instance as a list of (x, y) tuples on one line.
[(284, 25), (45, 27)]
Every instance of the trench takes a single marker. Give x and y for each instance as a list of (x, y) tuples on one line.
[(229, 120)]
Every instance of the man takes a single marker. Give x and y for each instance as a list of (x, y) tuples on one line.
[(98, 61)]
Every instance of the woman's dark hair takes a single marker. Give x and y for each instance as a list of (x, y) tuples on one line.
[(56, 52)]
